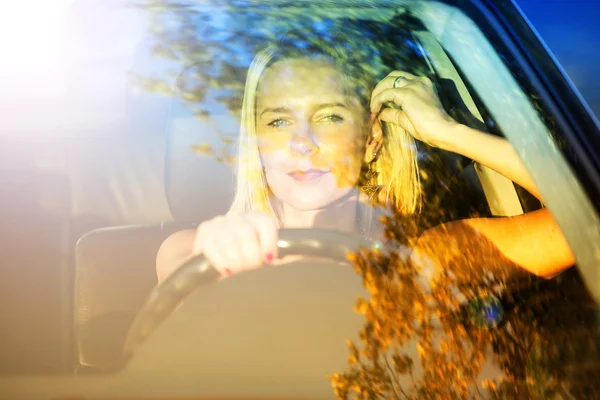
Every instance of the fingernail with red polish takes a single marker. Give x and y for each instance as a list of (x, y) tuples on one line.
[(269, 257), (228, 272)]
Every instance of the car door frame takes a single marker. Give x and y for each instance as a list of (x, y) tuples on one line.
[(564, 164)]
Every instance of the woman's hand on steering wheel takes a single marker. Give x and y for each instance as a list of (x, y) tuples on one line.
[(237, 242)]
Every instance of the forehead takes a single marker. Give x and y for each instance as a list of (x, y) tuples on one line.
[(291, 81)]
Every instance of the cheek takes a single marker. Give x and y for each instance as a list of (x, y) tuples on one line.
[(341, 149), (272, 160), (343, 138), (344, 153), (270, 144), (275, 164)]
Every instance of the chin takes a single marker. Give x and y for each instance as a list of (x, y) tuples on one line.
[(307, 204), (307, 196), (313, 200)]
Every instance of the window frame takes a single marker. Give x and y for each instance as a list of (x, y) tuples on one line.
[(568, 158)]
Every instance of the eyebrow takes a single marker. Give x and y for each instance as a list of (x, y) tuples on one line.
[(287, 110)]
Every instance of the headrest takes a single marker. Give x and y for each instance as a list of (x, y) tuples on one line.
[(198, 186)]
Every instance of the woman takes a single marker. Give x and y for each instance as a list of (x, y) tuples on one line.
[(313, 116)]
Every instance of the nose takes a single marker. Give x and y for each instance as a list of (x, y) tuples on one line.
[(303, 140)]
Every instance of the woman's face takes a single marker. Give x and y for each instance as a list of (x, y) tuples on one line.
[(310, 133)]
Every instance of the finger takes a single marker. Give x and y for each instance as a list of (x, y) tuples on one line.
[(404, 74), (236, 244), (395, 116), (376, 130), (394, 95), (227, 253), (388, 81), (221, 254), (248, 248), (268, 236)]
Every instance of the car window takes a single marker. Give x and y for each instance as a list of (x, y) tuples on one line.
[(481, 87), (475, 205)]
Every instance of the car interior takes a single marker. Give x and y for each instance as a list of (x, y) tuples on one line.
[(105, 306), (76, 273)]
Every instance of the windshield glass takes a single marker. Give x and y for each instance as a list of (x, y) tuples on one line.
[(259, 134)]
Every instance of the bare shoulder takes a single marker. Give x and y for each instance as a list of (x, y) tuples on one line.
[(173, 252)]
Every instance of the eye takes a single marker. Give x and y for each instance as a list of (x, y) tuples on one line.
[(332, 119), (279, 123)]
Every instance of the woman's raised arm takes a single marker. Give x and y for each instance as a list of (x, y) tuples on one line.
[(423, 116), (533, 240)]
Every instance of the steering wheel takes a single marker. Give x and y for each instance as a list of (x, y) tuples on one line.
[(168, 295)]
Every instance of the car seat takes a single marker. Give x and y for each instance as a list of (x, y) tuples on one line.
[(115, 267)]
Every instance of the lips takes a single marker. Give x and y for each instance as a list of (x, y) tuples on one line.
[(307, 175)]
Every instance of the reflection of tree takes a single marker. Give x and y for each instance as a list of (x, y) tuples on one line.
[(453, 321), (209, 45), (543, 334)]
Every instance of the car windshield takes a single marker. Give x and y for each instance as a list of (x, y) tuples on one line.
[(382, 191)]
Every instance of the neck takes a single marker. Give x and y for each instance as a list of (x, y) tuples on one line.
[(340, 215)]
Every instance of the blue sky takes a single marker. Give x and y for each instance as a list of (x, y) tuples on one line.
[(571, 30)]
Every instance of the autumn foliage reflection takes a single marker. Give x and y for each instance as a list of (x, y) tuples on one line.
[(463, 305), (459, 302)]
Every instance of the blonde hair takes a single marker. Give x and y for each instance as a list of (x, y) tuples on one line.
[(394, 173)]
